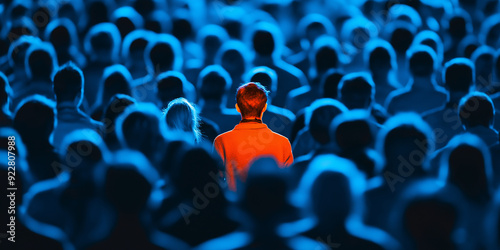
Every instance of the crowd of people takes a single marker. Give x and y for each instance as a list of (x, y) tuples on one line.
[(391, 109)]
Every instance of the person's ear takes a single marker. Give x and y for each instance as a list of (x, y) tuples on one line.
[(237, 108), (263, 110)]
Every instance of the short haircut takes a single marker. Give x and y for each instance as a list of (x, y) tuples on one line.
[(320, 115), (459, 74), (356, 83), (163, 53), (68, 82), (213, 82), (35, 113), (170, 86), (476, 109), (266, 39), (41, 60), (251, 99), (265, 76), (422, 60)]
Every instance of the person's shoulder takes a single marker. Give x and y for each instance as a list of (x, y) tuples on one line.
[(279, 137), (221, 137)]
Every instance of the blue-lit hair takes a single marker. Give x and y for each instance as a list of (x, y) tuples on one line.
[(114, 35), (41, 47), (172, 43), (180, 115)]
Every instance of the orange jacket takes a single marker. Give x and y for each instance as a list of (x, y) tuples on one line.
[(248, 141)]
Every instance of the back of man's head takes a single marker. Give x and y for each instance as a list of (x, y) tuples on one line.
[(476, 109), (41, 61), (163, 54), (265, 39), (265, 76), (356, 90), (251, 99), (459, 75), (213, 82), (422, 60), (170, 86), (322, 113), (68, 83)]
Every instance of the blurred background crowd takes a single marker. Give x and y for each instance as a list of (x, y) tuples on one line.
[(390, 107)]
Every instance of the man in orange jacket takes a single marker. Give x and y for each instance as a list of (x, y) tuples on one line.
[(250, 139)]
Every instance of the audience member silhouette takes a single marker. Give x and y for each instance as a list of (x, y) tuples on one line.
[(483, 58), (213, 83), (477, 114), (126, 19), (458, 78), (330, 83), (132, 53), (35, 120), (63, 35), (116, 106), (268, 45), (172, 85), (400, 35), (278, 119), (422, 65), (69, 90)]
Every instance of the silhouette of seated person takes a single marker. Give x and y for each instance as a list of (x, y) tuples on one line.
[(181, 117), (233, 57), (41, 62), (213, 83), (477, 114), (199, 215), (483, 58), (458, 78), (26, 238), (406, 143), (102, 46), (314, 139), (130, 172), (69, 90), (488, 32), (126, 19), (310, 27), (357, 91), (5, 98), (63, 35), (139, 128), (116, 79), (116, 106), (422, 65), (457, 26), (278, 119), (380, 58), (267, 217), (132, 53), (161, 55), (428, 215), (432, 40), (211, 38), (331, 196), (353, 134), (400, 35), (250, 138), (72, 195), (324, 55), (34, 120), (170, 86), (267, 42)]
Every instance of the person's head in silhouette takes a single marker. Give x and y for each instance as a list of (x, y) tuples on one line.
[(41, 62), (380, 57), (357, 91), (87, 146), (132, 53), (35, 119), (319, 115), (325, 55), (266, 40), (422, 61), (484, 60), (458, 25), (182, 28), (102, 43), (467, 165), (68, 84), (458, 77), (428, 215), (353, 132), (180, 115), (162, 54), (170, 86), (138, 128), (233, 57), (400, 36), (489, 33), (251, 100), (117, 104), (116, 79), (330, 83), (17, 55), (476, 109), (127, 20), (213, 83), (211, 37), (432, 40), (158, 21), (98, 11), (62, 34), (313, 26), (266, 77), (357, 31), (405, 140)]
